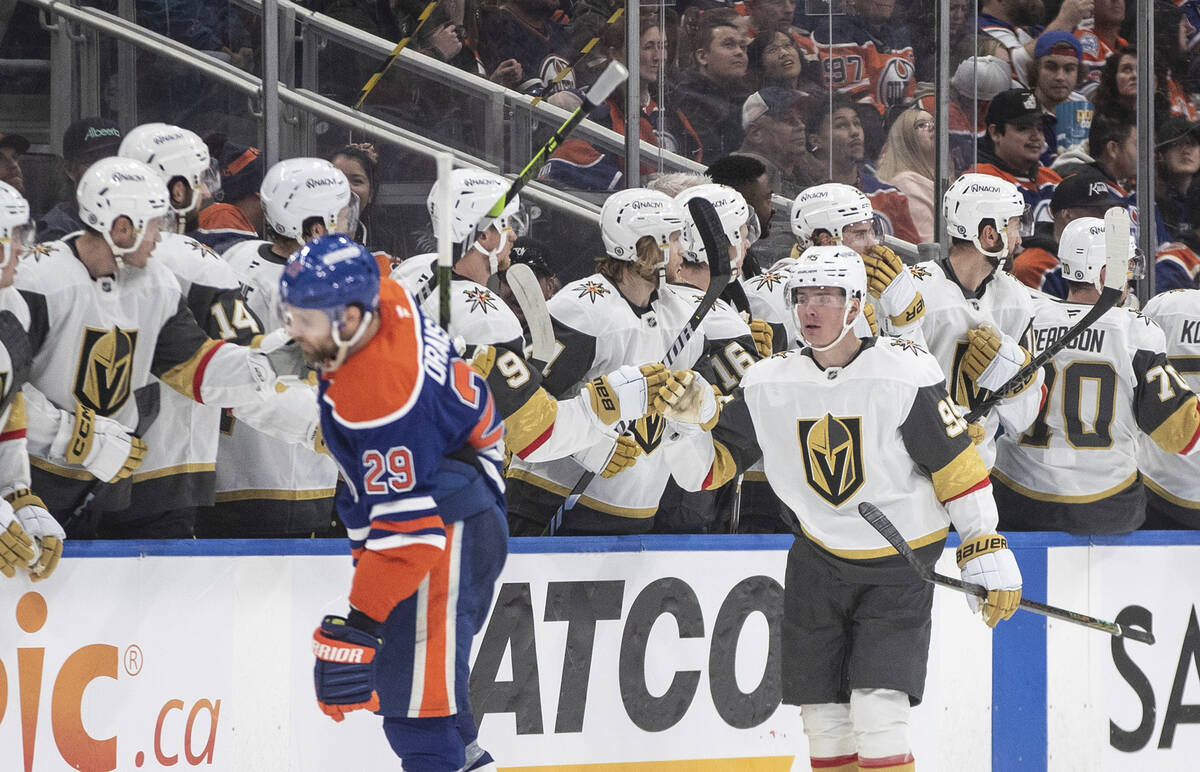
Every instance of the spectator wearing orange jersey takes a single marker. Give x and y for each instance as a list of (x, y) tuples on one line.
[(1099, 37)]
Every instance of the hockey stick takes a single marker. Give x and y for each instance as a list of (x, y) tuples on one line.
[(373, 81), (613, 76), (716, 245), (583, 52), (528, 292), (735, 293), (148, 400), (879, 521), (1116, 267), (445, 260)]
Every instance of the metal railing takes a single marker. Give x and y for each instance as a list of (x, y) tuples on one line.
[(100, 23)]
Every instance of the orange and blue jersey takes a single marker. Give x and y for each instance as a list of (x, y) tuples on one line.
[(396, 416)]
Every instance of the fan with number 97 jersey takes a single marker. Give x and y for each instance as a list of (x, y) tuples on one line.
[(1075, 468)]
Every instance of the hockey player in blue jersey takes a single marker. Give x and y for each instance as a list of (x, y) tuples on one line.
[(419, 443)]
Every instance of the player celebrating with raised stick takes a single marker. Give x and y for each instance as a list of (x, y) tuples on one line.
[(1075, 469), (401, 414), (871, 421)]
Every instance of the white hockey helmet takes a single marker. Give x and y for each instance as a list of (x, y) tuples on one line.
[(16, 230), (829, 207), (175, 153), (975, 199), (117, 187), (298, 189), (1082, 252), (735, 215), (473, 192), (827, 266), (633, 214)]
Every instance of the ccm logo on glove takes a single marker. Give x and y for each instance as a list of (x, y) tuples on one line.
[(82, 441)]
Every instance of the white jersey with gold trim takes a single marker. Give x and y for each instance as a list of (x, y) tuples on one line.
[(477, 315), (1174, 477), (1104, 389), (880, 429), (950, 312), (597, 331), (250, 464)]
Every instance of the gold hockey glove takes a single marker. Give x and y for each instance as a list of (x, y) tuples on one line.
[(764, 337)]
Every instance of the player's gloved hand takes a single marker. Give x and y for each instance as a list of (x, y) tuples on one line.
[(868, 312), (987, 561), (889, 281), (624, 394), (104, 447), (688, 398), (16, 546), (344, 673), (764, 337), (993, 358), (624, 455), (272, 341), (47, 534)]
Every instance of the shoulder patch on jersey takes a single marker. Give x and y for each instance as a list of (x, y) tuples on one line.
[(40, 251), (591, 290), (907, 345), (480, 299), (768, 280), (919, 271)]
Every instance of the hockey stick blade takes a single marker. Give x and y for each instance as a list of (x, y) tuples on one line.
[(880, 522), (1116, 265), (716, 246), (528, 292)]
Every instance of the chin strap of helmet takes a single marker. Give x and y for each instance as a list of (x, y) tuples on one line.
[(344, 346)]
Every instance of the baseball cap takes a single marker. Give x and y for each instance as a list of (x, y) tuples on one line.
[(15, 141), (242, 167), (1173, 129), (772, 102), (1016, 105), (90, 139), (1085, 188), (986, 75), (1059, 43)]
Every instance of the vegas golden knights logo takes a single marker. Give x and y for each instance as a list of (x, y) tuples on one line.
[(832, 450), (648, 432), (962, 389), (105, 370)]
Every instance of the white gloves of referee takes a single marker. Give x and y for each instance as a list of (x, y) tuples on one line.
[(988, 562), (105, 448)]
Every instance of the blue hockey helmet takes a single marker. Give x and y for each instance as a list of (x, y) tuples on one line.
[(331, 272)]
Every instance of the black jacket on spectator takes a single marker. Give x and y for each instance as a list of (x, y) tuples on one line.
[(59, 221), (715, 112), (542, 52)]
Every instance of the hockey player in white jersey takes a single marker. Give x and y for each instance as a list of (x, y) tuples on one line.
[(267, 487), (618, 315), (537, 427), (1173, 481), (842, 421), (977, 315), (104, 319), (31, 539), (1075, 469), (183, 160), (178, 474), (834, 213)]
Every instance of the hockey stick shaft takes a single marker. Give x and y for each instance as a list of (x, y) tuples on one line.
[(373, 81), (1116, 230), (716, 245), (583, 52), (445, 166), (880, 522)]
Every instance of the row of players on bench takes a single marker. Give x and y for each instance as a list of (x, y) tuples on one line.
[(1066, 451)]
